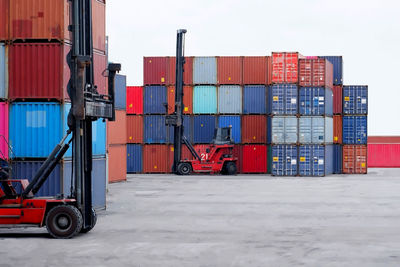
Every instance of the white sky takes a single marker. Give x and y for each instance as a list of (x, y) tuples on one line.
[(366, 33)]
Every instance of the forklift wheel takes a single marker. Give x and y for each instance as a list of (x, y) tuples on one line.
[(64, 221), (94, 216), (184, 168), (230, 168)]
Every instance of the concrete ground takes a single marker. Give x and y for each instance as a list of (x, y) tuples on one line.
[(245, 220)]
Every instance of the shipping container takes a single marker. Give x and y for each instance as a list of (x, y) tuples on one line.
[(315, 101), (284, 160), (282, 130), (384, 139), (337, 99), (154, 99), (254, 159), (355, 130), (134, 158), (254, 129), (230, 70), (99, 66), (155, 159), (355, 159), (120, 92), (134, 100), (3, 130), (116, 130), (384, 151), (203, 128), (337, 62), (205, 100), (284, 67), (134, 129), (205, 70), (155, 130), (116, 163), (254, 99), (187, 68), (187, 99), (315, 130), (99, 24), (316, 160), (237, 152), (315, 72), (282, 99), (229, 99), (337, 129), (355, 99), (234, 122), (4, 19), (255, 70), (187, 130), (155, 70), (337, 160), (3, 70)]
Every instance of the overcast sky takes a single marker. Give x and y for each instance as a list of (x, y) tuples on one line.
[(366, 33)]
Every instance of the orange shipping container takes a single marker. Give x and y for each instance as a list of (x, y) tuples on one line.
[(255, 70), (187, 74), (4, 19), (99, 24), (116, 163), (230, 70), (355, 159), (254, 129), (187, 99), (337, 129), (116, 130), (155, 159), (134, 128)]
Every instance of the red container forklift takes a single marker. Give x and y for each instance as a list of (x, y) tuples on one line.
[(219, 156), (65, 216)]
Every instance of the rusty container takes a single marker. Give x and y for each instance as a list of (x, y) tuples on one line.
[(155, 159), (316, 73), (255, 70), (355, 159), (155, 70), (116, 130), (117, 163), (337, 129), (134, 128), (187, 74), (254, 129), (337, 99), (230, 70)]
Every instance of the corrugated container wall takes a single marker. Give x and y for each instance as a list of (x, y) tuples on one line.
[(154, 99), (134, 129), (255, 70), (230, 70), (99, 65), (134, 100), (116, 130), (355, 159), (337, 99), (155, 130), (187, 74), (203, 128), (355, 130), (254, 129), (155, 159), (99, 24), (134, 158), (254, 159), (383, 155), (187, 130), (254, 99), (284, 160), (205, 100), (120, 92), (3, 71), (285, 67), (116, 163), (337, 129), (315, 72), (234, 122), (229, 99), (337, 62), (337, 160), (355, 99), (205, 70), (187, 99), (3, 130), (155, 70), (282, 130), (316, 160), (315, 130), (282, 99), (315, 101), (4, 9)]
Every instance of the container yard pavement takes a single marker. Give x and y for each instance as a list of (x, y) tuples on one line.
[(245, 220)]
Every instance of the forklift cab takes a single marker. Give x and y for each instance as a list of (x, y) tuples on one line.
[(223, 136)]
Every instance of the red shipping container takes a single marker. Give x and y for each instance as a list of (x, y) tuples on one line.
[(134, 100), (230, 70), (116, 130), (155, 70), (99, 24), (355, 159), (284, 67), (116, 163), (315, 72), (384, 151), (99, 66), (337, 129), (187, 74), (4, 10), (255, 70), (254, 159), (155, 159), (237, 152), (134, 129), (187, 99), (337, 91), (254, 129)]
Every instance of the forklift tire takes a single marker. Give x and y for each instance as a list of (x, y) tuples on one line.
[(64, 221), (184, 168), (94, 215), (230, 168)]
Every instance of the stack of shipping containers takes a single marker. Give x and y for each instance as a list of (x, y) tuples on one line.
[(33, 80)]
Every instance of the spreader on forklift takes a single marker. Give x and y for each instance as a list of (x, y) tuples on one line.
[(65, 215), (218, 157)]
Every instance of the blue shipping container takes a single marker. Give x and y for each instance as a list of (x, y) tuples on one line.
[(316, 160), (254, 99), (120, 92), (234, 122), (205, 70), (3, 72), (315, 130), (203, 129), (187, 130), (282, 130), (155, 130), (355, 131), (355, 99), (154, 99), (205, 100), (338, 159), (134, 158), (35, 128), (337, 62), (316, 101), (282, 99), (284, 160)]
